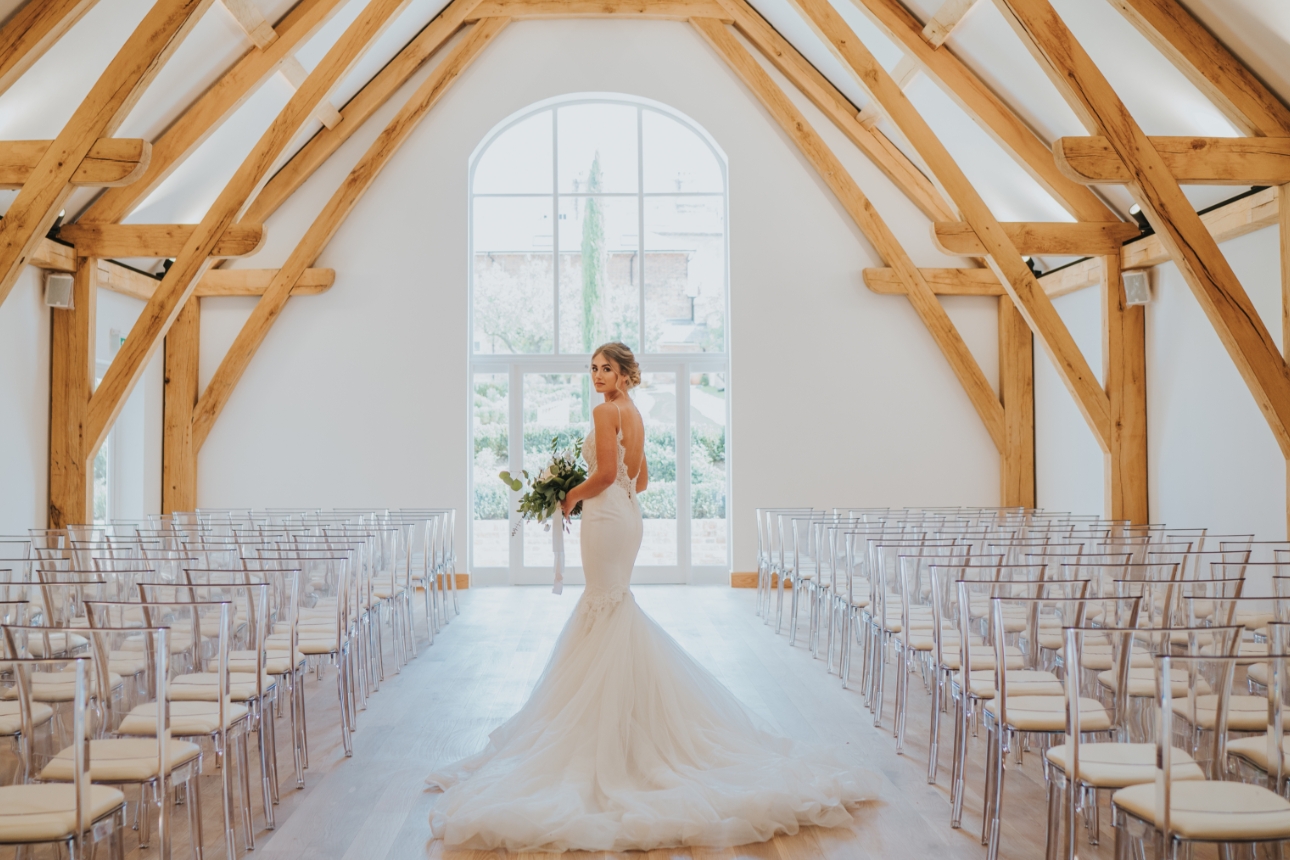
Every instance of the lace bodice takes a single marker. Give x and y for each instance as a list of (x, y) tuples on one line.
[(621, 479)]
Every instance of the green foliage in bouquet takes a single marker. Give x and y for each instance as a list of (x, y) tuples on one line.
[(547, 490)]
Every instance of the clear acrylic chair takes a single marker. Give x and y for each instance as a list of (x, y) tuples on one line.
[(74, 816)]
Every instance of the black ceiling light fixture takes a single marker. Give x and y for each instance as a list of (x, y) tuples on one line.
[(1138, 215)]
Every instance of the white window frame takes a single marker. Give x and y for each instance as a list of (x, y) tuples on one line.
[(517, 365)]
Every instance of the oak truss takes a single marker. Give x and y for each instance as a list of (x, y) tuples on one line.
[(1115, 152)]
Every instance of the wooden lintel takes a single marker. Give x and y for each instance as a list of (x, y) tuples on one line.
[(944, 282), (157, 240), (111, 162), (668, 10), (957, 238), (1192, 160), (1250, 213), (253, 282)]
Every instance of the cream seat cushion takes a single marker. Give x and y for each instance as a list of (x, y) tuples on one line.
[(187, 719), (1254, 749), (1112, 765), (45, 813), (276, 662), (1021, 682), (1142, 681), (1244, 713), (318, 644), (58, 643), (11, 716), (60, 686), (127, 663), (980, 656), (120, 760), (1213, 810), (204, 686), (1048, 713)]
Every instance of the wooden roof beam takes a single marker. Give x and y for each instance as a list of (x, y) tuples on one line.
[(958, 239), (1004, 258), (111, 161), (210, 110), (355, 112), (884, 154), (1191, 246), (1217, 72), (943, 282), (157, 240), (32, 212), (862, 212), (988, 109), (945, 20), (32, 30), (1191, 160), (182, 277), (667, 10), (320, 232)]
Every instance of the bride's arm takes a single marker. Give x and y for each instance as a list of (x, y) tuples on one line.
[(642, 480), (606, 459)]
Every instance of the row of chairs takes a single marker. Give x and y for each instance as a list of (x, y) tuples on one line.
[(1059, 633), (248, 605)]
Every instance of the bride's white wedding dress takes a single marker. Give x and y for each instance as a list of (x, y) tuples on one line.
[(626, 742)]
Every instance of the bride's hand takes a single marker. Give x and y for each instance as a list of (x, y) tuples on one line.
[(566, 505)]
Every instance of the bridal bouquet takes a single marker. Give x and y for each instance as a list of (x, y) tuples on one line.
[(546, 491)]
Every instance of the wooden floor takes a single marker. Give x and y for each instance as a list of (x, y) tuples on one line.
[(482, 667)]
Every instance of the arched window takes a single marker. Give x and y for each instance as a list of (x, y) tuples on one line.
[(592, 218)]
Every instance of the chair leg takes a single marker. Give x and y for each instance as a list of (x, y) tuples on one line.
[(996, 805), (266, 789), (1052, 832), (991, 742), (934, 730), (226, 792), (958, 763), (193, 796), (244, 765)]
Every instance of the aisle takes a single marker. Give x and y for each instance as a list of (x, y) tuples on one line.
[(483, 665)]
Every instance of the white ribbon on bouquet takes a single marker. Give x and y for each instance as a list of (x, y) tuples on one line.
[(557, 549)]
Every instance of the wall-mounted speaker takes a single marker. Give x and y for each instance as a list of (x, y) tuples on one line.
[(1137, 287), (58, 291)]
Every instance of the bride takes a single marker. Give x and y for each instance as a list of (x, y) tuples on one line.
[(626, 742)]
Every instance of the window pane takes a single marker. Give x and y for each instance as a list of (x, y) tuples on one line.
[(685, 274), (599, 284), (518, 161), (556, 405), (514, 301), (708, 468), (676, 158), (597, 144), (493, 501), (656, 400)]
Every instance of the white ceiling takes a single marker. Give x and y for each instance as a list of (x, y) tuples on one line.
[(1160, 97)]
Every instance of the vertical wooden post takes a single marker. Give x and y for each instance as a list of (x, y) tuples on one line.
[(1283, 219), (178, 454), (1017, 391), (71, 383), (1124, 373)]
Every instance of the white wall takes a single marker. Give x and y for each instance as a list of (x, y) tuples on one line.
[(1212, 461), (24, 406), (359, 396)]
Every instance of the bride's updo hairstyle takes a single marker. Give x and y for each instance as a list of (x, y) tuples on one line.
[(621, 355)]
